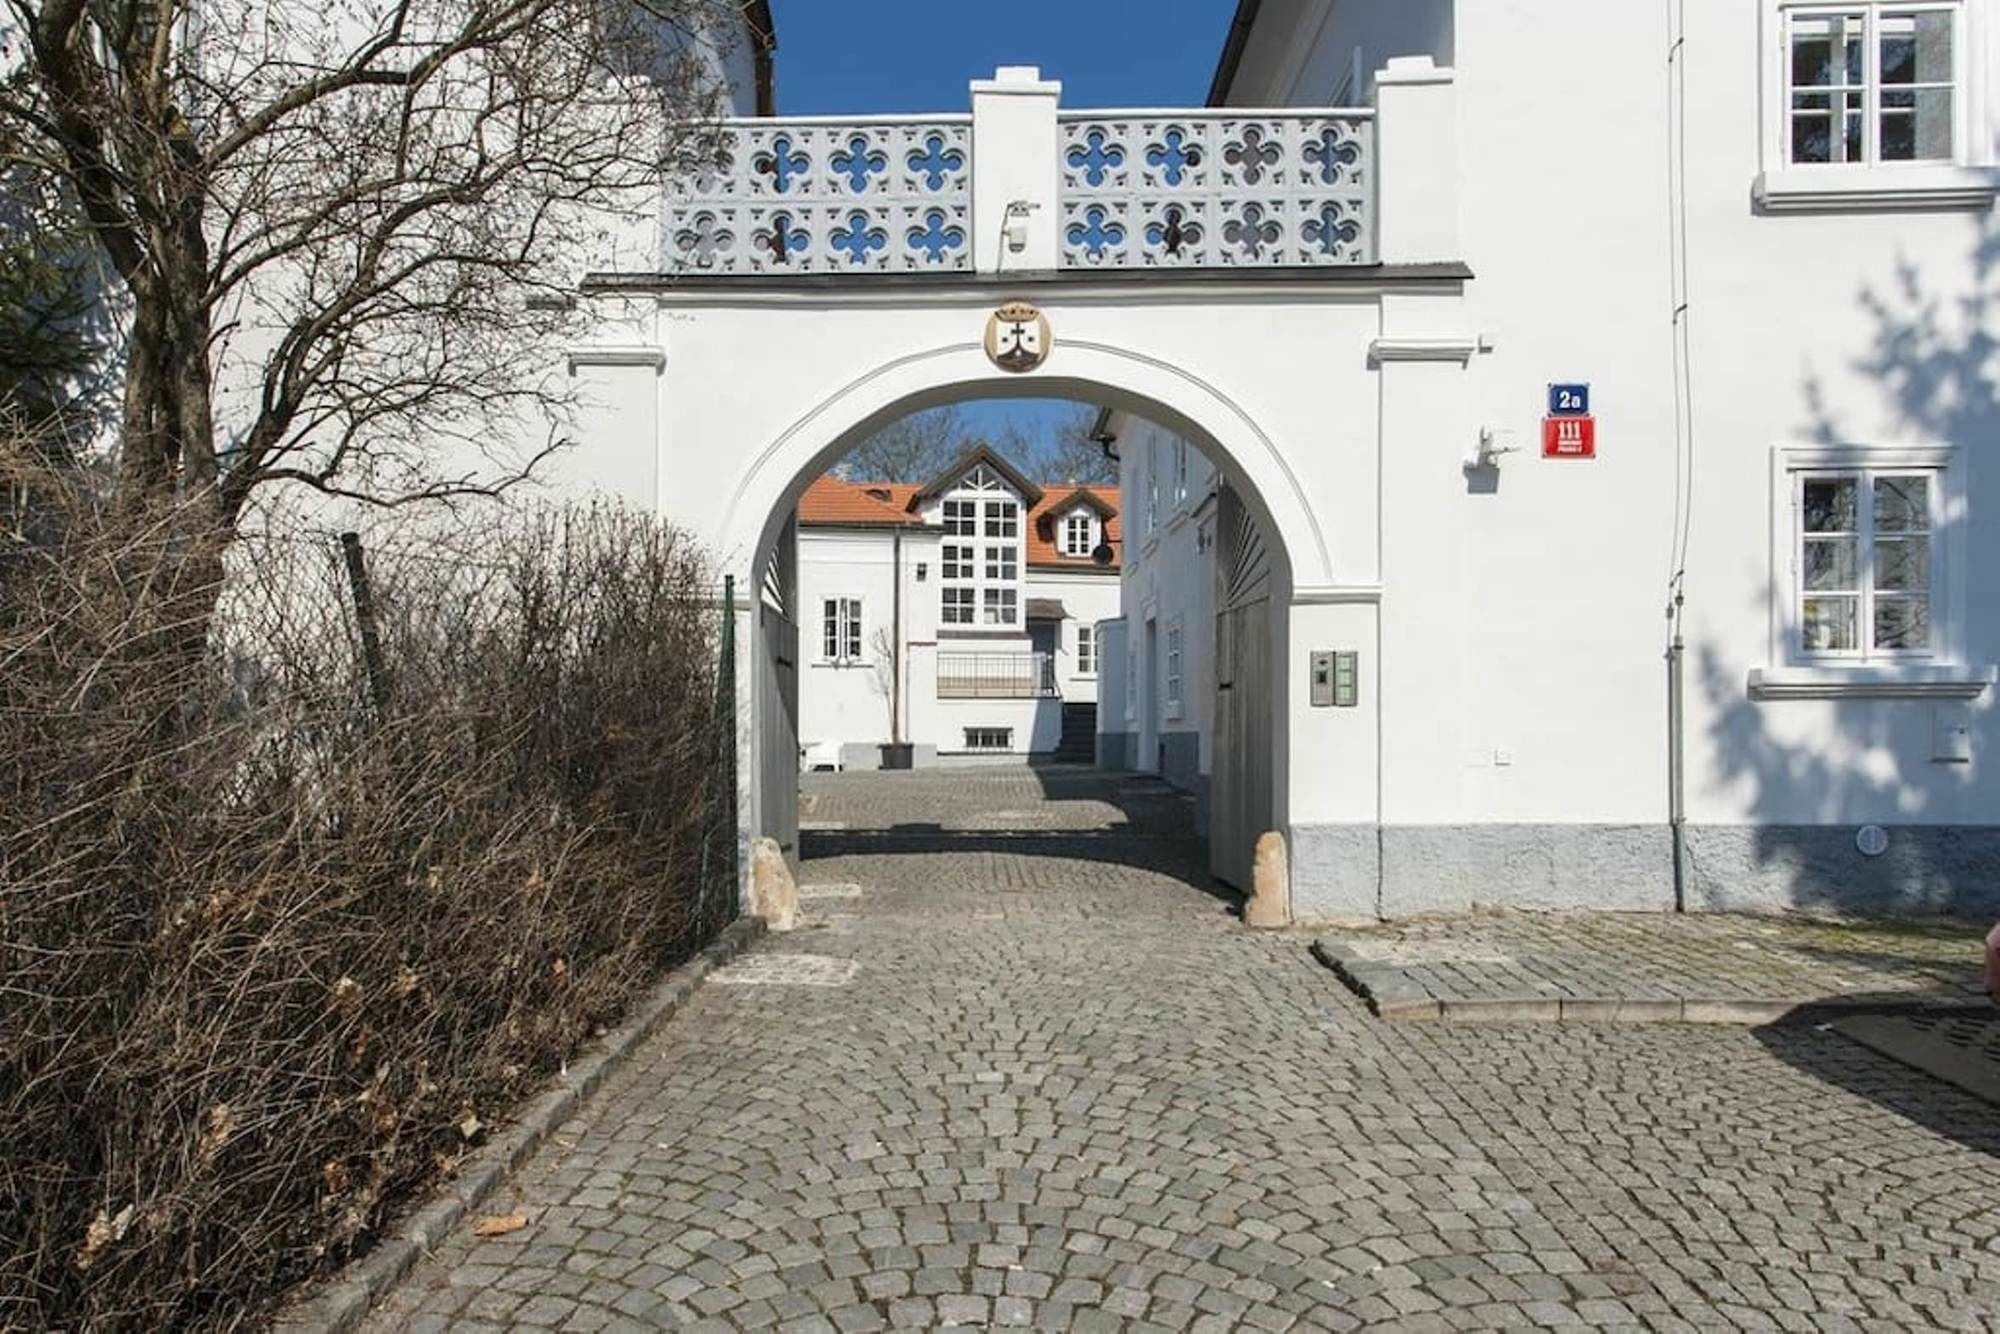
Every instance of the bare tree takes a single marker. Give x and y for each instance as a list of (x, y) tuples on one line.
[(910, 449), (346, 233), (1070, 454)]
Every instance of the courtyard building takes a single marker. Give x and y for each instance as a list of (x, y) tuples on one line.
[(956, 617)]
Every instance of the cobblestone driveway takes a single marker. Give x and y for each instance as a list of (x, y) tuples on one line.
[(1035, 1074)]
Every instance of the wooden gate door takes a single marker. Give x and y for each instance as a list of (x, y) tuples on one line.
[(1240, 804), (777, 714)]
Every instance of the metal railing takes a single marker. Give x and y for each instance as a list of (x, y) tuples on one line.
[(996, 676), (1217, 189)]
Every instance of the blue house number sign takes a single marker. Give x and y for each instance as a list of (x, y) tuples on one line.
[(1569, 400)]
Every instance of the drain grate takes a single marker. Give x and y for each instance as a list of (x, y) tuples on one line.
[(1960, 1048)]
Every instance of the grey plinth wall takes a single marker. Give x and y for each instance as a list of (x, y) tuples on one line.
[(1117, 750), (1927, 870), (1349, 871)]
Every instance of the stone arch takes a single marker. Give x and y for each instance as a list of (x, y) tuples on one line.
[(769, 488), (766, 491)]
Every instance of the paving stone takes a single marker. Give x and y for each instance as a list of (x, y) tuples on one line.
[(1065, 1086)]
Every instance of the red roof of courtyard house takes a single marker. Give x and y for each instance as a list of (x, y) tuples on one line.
[(831, 502)]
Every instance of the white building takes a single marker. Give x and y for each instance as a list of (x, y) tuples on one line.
[(1786, 347), (958, 617), (1452, 245)]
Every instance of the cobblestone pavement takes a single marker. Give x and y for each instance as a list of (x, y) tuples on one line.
[(1035, 1073), (1522, 964)]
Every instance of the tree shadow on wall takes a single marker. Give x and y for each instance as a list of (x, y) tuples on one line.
[(1933, 358)]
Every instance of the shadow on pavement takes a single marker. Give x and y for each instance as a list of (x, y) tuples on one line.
[(1815, 1046)]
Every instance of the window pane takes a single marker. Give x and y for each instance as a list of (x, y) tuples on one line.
[(1827, 50), (1902, 623), (1902, 504), (1918, 71), (1828, 624), (1916, 48), (1830, 564), (1916, 125), (1812, 137), (1903, 565), (1830, 504)]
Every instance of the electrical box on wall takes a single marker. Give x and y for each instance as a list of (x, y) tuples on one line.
[(1336, 678)]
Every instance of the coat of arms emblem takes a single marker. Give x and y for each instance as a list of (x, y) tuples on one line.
[(1017, 337)]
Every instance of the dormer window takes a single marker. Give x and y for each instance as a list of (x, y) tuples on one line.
[(1079, 536)]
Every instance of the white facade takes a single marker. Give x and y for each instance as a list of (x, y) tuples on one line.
[(1163, 723), (1835, 364), (1812, 333), (991, 636)]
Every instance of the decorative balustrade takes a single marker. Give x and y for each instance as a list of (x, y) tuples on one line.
[(813, 196), (996, 676), (1148, 189), (1138, 189)]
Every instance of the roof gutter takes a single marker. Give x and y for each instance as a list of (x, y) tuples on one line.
[(764, 38), (1232, 51)]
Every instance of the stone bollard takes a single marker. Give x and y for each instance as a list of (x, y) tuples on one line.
[(773, 894), (1269, 905)]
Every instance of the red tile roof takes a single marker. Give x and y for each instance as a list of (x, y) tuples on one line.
[(831, 502)]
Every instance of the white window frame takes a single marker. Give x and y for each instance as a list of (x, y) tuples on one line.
[(1004, 744), (1939, 672), (997, 556), (1083, 516), (844, 620), (1969, 180), (1173, 668), (1086, 649)]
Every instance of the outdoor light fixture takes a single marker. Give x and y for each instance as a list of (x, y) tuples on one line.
[(1494, 442)]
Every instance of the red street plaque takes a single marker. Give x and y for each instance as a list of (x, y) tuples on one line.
[(1569, 437)]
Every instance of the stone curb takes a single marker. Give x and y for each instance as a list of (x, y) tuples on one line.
[(1391, 994), (347, 1297)]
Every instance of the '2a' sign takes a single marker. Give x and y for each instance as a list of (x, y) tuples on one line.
[(1569, 400)]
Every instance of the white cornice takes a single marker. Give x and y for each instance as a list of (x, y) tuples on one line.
[(1951, 683), (617, 356), (1335, 594), (1872, 189), (1461, 348)]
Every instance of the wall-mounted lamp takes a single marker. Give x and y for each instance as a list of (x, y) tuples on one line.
[(921, 570), (1494, 443), (1015, 226)]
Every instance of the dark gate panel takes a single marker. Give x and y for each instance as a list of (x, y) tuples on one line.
[(1240, 788), (777, 713)]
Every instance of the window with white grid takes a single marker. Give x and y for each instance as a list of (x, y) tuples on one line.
[(980, 559), (840, 630), (1086, 650), (1865, 566), (1079, 534), (1873, 81)]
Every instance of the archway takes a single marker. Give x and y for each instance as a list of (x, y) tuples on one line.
[(1253, 574)]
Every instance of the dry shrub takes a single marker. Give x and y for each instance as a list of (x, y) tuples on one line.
[(271, 955)]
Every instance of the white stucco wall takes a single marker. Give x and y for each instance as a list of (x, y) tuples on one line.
[(1523, 668), (1169, 579)]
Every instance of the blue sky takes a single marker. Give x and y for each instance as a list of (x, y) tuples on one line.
[(850, 56), (840, 56)]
